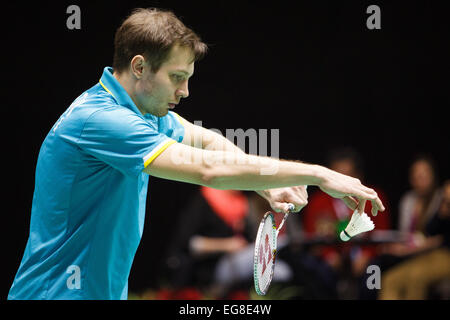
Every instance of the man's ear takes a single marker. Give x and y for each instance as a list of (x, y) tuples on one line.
[(137, 66)]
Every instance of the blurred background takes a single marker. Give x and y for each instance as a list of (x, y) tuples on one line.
[(367, 102)]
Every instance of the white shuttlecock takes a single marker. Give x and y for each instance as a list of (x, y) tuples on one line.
[(359, 223)]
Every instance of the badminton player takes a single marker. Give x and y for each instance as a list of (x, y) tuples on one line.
[(93, 167)]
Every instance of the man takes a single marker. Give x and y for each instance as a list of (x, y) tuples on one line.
[(92, 170)]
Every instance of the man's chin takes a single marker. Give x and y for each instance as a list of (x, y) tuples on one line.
[(162, 113)]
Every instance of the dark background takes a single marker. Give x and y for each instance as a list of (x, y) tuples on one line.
[(310, 68)]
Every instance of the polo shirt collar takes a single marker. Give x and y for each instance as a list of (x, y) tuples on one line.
[(113, 87)]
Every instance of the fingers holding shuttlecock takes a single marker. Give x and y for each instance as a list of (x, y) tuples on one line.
[(359, 223)]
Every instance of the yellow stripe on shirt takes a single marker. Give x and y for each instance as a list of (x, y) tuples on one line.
[(156, 152), (104, 87), (180, 119)]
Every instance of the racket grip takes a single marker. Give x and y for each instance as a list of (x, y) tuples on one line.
[(291, 207)]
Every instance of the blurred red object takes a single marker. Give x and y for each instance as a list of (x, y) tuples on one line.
[(239, 295), (180, 294)]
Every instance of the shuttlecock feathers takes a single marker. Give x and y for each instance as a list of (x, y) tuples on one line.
[(359, 223)]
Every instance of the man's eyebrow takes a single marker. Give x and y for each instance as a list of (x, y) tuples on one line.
[(184, 71)]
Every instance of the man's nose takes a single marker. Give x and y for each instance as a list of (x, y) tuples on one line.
[(183, 91)]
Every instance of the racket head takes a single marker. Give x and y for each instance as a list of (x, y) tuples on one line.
[(265, 253)]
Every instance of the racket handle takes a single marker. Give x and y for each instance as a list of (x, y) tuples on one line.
[(291, 208), (282, 223)]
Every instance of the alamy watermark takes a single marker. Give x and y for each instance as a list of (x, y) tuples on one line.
[(374, 280), (258, 147), (374, 20), (74, 20), (73, 282)]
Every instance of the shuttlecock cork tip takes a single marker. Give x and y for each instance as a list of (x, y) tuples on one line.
[(344, 236)]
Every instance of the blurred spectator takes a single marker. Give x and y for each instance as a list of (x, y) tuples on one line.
[(430, 266), (418, 204), (416, 208), (213, 247), (325, 217), (213, 224)]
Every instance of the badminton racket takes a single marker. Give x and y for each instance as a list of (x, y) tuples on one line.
[(266, 250)]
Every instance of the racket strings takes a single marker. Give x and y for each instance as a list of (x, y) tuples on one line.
[(266, 248), (265, 251)]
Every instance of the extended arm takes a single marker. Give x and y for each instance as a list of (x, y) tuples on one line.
[(240, 171)]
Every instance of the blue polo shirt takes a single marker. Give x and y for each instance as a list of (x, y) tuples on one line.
[(90, 193)]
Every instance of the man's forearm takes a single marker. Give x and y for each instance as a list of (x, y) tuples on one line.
[(214, 141), (249, 172), (231, 170)]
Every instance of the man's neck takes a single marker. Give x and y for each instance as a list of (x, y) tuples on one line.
[(128, 84)]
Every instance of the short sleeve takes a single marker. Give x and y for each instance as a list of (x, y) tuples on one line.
[(122, 140)]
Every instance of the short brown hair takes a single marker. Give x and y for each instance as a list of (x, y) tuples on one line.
[(152, 33)]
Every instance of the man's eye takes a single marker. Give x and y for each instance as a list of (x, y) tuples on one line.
[(177, 77)]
